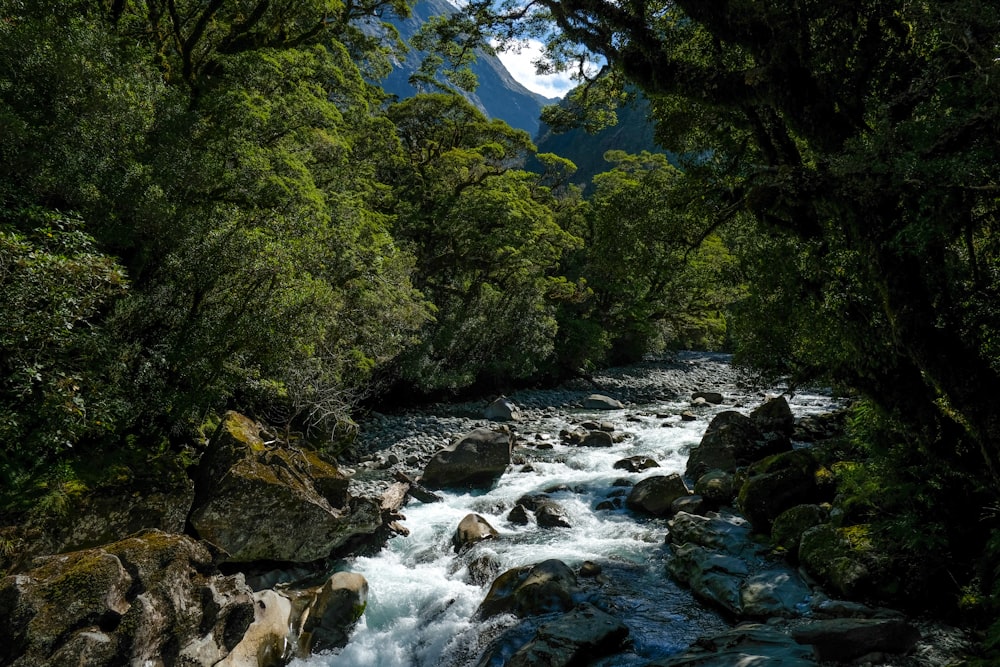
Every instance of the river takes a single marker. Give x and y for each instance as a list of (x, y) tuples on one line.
[(423, 597)]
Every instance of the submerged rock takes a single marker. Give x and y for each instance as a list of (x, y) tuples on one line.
[(476, 460), (750, 645), (636, 464)]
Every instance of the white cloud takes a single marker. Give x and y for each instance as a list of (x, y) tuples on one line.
[(519, 64)]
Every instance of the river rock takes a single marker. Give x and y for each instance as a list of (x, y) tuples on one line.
[(476, 460), (713, 397), (844, 639), (518, 515), (252, 499), (265, 642), (550, 514), (693, 504), (471, 530), (712, 576), (717, 487), (655, 495), (636, 464), (578, 637), (830, 555), (776, 484), (775, 592), (502, 410), (730, 441), (530, 590), (728, 533), (154, 598), (597, 439), (601, 402), (787, 529), (747, 645), (774, 416), (334, 610)]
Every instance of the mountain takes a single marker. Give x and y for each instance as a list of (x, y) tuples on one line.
[(499, 95), (633, 134)]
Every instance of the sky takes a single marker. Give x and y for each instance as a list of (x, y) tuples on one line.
[(521, 68)]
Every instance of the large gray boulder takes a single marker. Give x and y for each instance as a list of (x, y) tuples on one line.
[(530, 590), (655, 495), (721, 532), (576, 638), (476, 460), (774, 416), (502, 410), (731, 441), (602, 402), (154, 598), (711, 575), (252, 499)]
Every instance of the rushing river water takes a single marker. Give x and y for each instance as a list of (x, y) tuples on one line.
[(422, 599)]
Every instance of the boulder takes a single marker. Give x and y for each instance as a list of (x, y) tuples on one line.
[(332, 613), (728, 533), (597, 439), (731, 441), (837, 558), (787, 529), (774, 416), (471, 530), (502, 410), (252, 499), (844, 639), (578, 637), (711, 575), (530, 590), (655, 495), (601, 402), (693, 504), (154, 598), (518, 515), (265, 642), (476, 460), (776, 484), (636, 464), (748, 645), (775, 592), (713, 397), (717, 487), (550, 514)]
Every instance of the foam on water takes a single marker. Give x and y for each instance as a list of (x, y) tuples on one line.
[(421, 607)]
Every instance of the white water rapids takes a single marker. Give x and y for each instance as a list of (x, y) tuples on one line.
[(421, 606)]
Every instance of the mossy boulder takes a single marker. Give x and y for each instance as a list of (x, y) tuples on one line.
[(776, 484), (840, 558), (531, 590), (731, 440), (154, 598), (717, 487), (252, 499), (788, 527)]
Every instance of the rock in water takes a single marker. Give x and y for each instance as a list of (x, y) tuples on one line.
[(477, 460), (575, 638), (252, 499), (531, 590), (471, 530), (602, 402), (655, 495), (502, 410), (731, 440)]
